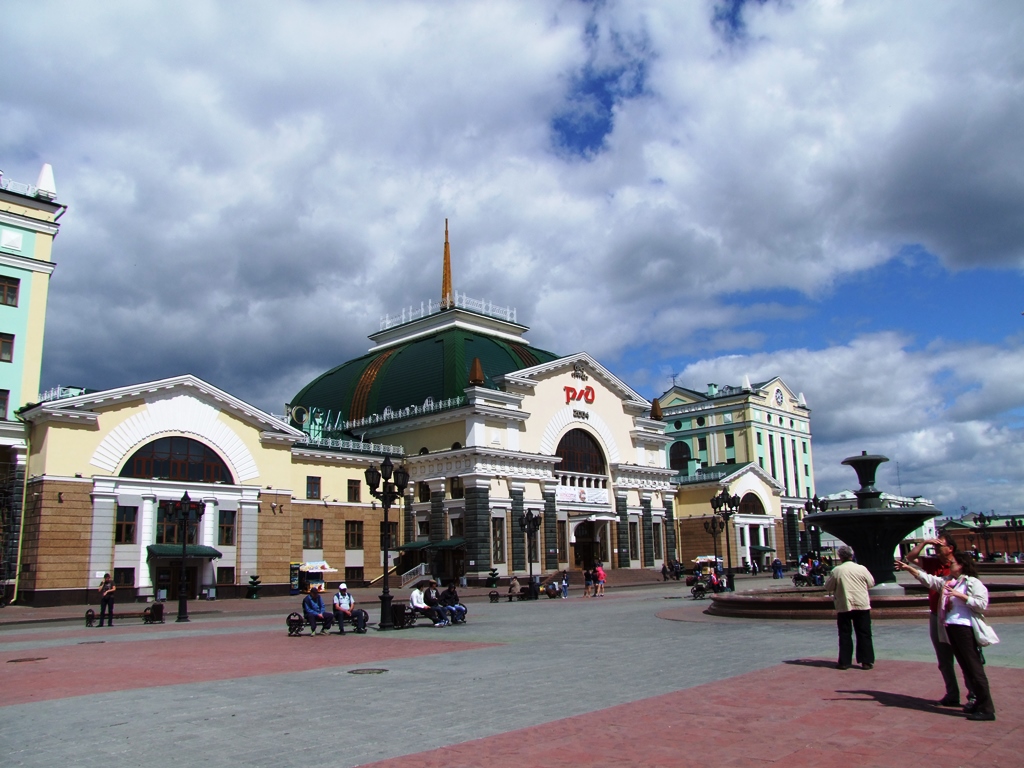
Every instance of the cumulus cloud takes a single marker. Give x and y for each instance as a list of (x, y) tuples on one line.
[(250, 192)]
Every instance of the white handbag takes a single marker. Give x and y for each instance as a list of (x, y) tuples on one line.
[(983, 634)]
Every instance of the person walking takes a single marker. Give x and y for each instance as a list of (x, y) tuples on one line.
[(107, 590), (599, 577), (849, 583), (962, 604), (938, 565), (565, 584)]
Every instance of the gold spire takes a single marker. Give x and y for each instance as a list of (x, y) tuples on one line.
[(447, 299)]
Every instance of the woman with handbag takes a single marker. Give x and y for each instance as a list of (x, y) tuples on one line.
[(962, 603)]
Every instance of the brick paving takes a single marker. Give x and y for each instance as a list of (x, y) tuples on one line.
[(609, 681)]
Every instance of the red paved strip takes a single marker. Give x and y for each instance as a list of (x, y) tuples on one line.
[(77, 670), (804, 713)]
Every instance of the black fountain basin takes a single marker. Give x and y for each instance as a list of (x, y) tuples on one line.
[(814, 603)]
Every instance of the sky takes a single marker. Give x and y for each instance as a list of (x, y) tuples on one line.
[(831, 192)]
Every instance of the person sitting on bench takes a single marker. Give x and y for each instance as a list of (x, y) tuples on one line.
[(345, 609), (450, 600), (513, 589), (419, 605), (433, 598), (314, 611)]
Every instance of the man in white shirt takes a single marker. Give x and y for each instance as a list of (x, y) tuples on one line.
[(849, 583), (418, 604), (345, 609)]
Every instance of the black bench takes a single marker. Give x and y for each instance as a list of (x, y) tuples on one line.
[(152, 614), (296, 623)]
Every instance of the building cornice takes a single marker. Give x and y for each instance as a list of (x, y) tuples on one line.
[(9, 259), (27, 222)]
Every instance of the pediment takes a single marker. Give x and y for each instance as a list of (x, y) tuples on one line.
[(582, 366), (87, 408)]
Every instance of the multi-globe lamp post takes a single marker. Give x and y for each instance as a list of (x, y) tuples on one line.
[(714, 527), (388, 494), (725, 507), (530, 524), (1015, 525), (810, 507), (983, 522), (186, 512)]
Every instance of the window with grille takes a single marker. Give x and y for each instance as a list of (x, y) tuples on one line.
[(226, 528), (225, 575), (312, 534), (177, 458), (353, 534), (124, 525), (124, 577), (498, 540), (9, 287)]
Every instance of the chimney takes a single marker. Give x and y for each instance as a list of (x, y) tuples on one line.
[(712, 390)]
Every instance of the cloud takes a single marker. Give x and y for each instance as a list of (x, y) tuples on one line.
[(249, 193)]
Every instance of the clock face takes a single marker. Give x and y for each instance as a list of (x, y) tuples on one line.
[(778, 396)]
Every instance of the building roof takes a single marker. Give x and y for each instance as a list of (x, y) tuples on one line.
[(432, 367)]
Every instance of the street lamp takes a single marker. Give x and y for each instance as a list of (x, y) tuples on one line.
[(530, 524), (983, 523), (1016, 526), (714, 527), (726, 506), (388, 495), (185, 511)]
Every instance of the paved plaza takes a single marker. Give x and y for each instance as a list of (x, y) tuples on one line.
[(640, 677)]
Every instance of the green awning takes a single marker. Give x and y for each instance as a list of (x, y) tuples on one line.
[(448, 544), (413, 545), (174, 550), (760, 548)]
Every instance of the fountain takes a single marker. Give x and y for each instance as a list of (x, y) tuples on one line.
[(873, 531)]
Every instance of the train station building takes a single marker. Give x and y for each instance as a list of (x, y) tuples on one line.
[(490, 428)]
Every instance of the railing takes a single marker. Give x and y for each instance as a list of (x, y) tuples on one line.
[(462, 301), (390, 414), (59, 393), (352, 445), (28, 190), (700, 477), (418, 572)]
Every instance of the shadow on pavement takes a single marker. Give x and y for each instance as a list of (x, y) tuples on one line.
[(888, 699), (820, 663)]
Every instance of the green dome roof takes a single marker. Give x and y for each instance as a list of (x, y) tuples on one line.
[(434, 367)]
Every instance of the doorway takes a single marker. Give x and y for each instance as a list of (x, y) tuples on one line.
[(169, 576), (589, 545)]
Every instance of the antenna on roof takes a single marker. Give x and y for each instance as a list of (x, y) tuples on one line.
[(447, 301)]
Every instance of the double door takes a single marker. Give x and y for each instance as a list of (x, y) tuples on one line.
[(168, 577)]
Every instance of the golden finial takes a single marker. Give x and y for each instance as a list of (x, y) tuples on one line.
[(447, 299)]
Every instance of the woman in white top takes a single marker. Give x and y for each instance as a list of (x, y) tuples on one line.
[(963, 598)]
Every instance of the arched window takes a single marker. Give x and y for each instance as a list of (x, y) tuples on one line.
[(178, 458), (580, 453), (751, 505), (679, 456)]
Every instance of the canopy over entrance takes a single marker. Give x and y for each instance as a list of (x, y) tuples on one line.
[(174, 550)]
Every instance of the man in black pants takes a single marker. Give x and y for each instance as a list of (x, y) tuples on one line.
[(849, 583), (107, 590)]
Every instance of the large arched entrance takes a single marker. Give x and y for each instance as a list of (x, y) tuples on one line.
[(580, 453), (186, 461), (590, 543)]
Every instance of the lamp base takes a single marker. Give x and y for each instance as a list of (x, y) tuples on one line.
[(386, 622)]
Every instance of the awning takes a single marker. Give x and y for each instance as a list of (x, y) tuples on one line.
[(317, 566), (412, 545), (448, 544), (174, 550), (760, 548)]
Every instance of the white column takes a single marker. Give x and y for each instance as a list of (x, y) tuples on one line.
[(147, 535), (101, 544), (209, 537)]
